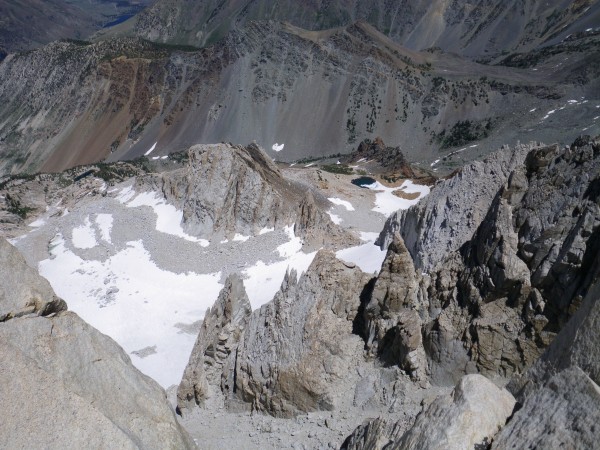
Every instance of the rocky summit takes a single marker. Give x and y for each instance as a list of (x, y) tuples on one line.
[(300, 225)]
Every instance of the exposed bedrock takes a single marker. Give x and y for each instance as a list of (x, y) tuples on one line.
[(297, 351), (54, 365), (218, 338), (225, 190), (503, 253)]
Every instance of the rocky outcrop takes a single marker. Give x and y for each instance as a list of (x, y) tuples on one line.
[(218, 338), (392, 319), (389, 160), (226, 190), (467, 418), (55, 365), (560, 393), (375, 434), (453, 211), (297, 352), (508, 246), (470, 416), (23, 292)]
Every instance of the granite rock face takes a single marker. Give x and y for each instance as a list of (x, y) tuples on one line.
[(471, 415), (389, 160), (297, 351), (219, 336), (451, 213), (392, 320), (468, 417), (56, 366), (226, 190), (23, 291), (560, 393), (505, 250)]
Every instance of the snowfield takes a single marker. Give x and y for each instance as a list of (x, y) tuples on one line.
[(387, 203), (133, 301)]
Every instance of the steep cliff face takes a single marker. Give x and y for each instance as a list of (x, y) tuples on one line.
[(218, 338), (562, 383), (497, 298), (467, 28), (318, 93)]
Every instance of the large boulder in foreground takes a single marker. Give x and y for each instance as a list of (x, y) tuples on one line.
[(467, 418), (560, 394), (65, 385), (22, 290)]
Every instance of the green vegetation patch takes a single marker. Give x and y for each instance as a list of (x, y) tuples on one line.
[(464, 132), (338, 168)]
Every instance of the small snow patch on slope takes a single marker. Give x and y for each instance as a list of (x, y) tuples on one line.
[(277, 147), (168, 218), (105, 223), (369, 257), (151, 149), (262, 281), (386, 202), (340, 202), (335, 219)]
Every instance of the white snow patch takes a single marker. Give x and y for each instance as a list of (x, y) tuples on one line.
[(361, 160), (335, 219), (262, 281), (532, 110), (155, 157), (435, 162), (151, 149), (240, 237), (84, 236), (277, 147), (164, 157), (168, 218), (473, 146), (387, 203), (105, 223), (138, 306), (293, 246), (552, 111), (38, 223), (266, 230), (369, 257), (340, 202), (309, 165)]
